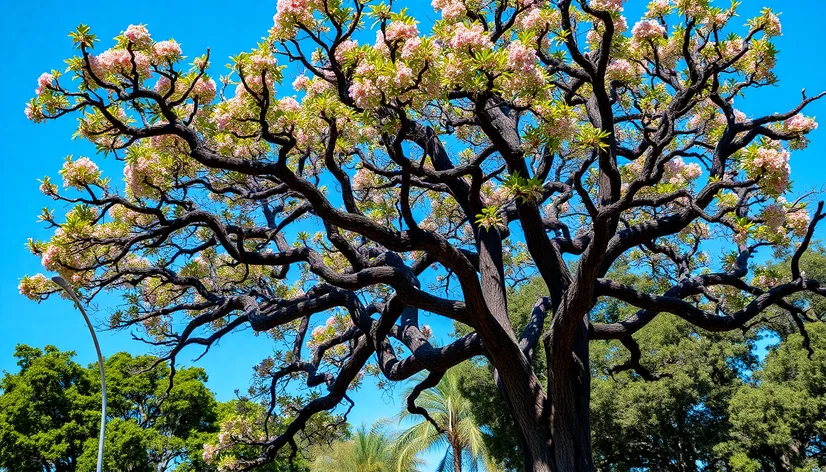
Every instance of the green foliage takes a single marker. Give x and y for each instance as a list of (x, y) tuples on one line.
[(367, 451), (50, 412), (778, 419)]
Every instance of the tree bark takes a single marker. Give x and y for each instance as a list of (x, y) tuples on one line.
[(457, 457)]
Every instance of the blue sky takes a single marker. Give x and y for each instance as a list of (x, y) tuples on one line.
[(36, 41)]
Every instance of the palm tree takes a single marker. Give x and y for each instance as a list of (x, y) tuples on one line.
[(367, 451), (457, 432)]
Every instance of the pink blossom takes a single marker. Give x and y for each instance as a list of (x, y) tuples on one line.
[(800, 124), (798, 221), (772, 26), (607, 5), (411, 46), (79, 172), (473, 37), (167, 50), (533, 18), (647, 29), (451, 9), (119, 61), (362, 179), (521, 57), (345, 47), (205, 90), (318, 331), (49, 258), (364, 93), (774, 215), (138, 35), (658, 8), (403, 77), (772, 164), (398, 30), (301, 82), (621, 70), (289, 104), (43, 81)]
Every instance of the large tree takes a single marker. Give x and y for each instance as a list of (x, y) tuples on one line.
[(515, 136)]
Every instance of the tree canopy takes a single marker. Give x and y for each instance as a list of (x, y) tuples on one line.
[(419, 172)]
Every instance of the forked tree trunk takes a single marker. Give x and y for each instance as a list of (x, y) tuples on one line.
[(559, 440)]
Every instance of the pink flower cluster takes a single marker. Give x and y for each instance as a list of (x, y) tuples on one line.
[(343, 48), (363, 179), (365, 93), (773, 164), (647, 29), (621, 70), (521, 57), (119, 61), (334, 326), (411, 47), (32, 287), (398, 30), (78, 173), (138, 35), (49, 258), (607, 5), (167, 50), (44, 81), (451, 9), (288, 12), (798, 221), (800, 124), (677, 172), (473, 37), (301, 83), (205, 90), (142, 173), (772, 25), (658, 8), (774, 215)]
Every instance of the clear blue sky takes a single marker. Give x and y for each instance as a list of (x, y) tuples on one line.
[(36, 41)]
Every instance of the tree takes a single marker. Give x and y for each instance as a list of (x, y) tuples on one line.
[(515, 137), (366, 451), (778, 420), (448, 422), (48, 413)]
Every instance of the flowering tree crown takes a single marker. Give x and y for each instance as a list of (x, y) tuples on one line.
[(515, 137)]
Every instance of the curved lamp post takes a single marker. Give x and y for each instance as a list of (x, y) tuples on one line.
[(65, 286)]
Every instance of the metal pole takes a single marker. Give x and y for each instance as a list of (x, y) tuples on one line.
[(65, 286)]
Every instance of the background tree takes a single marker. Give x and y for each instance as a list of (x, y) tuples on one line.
[(49, 409), (449, 424), (372, 450), (47, 412), (513, 138)]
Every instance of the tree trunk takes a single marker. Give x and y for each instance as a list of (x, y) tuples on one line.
[(560, 439), (570, 393), (457, 458)]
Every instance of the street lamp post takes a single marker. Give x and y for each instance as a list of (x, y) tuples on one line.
[(65, 286)]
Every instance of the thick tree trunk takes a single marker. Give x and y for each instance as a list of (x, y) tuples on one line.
[(560, 439), (570, 392)]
